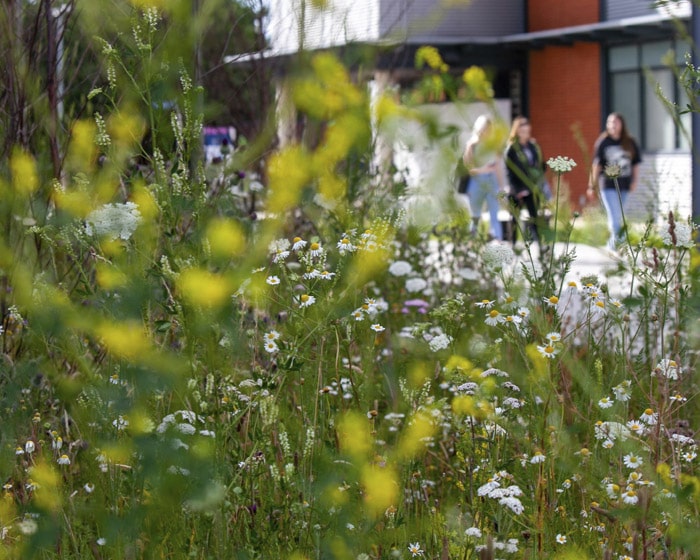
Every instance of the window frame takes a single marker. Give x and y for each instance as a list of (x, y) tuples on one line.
[(639, 70)]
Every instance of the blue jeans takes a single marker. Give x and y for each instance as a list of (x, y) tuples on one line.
[(484, 188), (614, 205)]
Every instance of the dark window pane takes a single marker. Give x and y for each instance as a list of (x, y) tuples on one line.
[(660, 130), (623, 58), (626, 99)]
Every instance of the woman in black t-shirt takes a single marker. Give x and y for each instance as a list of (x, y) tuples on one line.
[(615, 172)]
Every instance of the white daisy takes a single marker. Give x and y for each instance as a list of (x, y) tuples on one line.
[(667, 368), (415, 549), (315, 249), (547, 351), (606, 402), (298, 244), (306, 300), (649, 417), (632, 461), (494, 317)]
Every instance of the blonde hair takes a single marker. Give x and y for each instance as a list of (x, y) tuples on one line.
[(481, 123)]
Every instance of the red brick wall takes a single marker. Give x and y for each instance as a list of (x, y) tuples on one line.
[(565, 106), (548, 14)]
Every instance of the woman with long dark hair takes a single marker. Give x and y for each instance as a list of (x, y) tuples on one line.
[(527, 185), (615, 172)]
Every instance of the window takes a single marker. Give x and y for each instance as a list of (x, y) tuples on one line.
[(636, 75)]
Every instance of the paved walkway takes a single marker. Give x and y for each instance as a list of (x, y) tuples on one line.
[(596, 260)]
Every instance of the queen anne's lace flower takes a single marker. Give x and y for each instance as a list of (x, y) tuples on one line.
[(561, 164), (497, 255), (679, 235), (439, 342), (115, 221), (400, 268), (416, 284)]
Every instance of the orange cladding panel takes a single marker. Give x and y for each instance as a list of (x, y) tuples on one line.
[(550, 14), (565, 107)]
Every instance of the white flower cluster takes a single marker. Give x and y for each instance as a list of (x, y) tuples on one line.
[(666, 368), (115, 221), (682, 232), (506, 495), (561, 164), (440, 342), (400, 268), (184, 422), (497, 255)]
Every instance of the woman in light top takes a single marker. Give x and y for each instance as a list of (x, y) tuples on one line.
[(482, 157)]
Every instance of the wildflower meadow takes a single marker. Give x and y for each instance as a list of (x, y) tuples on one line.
[(272, 358)]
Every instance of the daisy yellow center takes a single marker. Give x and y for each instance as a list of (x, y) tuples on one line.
[(648, 412), (345, 241), (672, 364), (297, 239), (554, 299), (304, 298), (600, 304), (315, 246), (494, 313), (548, 349)]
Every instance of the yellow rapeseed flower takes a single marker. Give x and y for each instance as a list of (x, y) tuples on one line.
[(354, 435), (226, 238), (25, 179), (82, 150), (203, 288), (430, 56), (419, 429), (381, 489), (478, 83), (48, 481), (109, 276), (289, 171), (125, 340)]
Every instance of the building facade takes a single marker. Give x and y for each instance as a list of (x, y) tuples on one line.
[(565, 64)]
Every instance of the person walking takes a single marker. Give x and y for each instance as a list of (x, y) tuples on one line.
[(528, 187), (615, 173), (482, 158)]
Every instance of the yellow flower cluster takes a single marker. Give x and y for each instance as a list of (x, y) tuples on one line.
[(430, 56)]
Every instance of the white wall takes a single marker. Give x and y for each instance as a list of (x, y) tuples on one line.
[(343, 21), (665, 184)]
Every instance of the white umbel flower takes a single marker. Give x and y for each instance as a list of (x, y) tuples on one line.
[(115, 221)]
